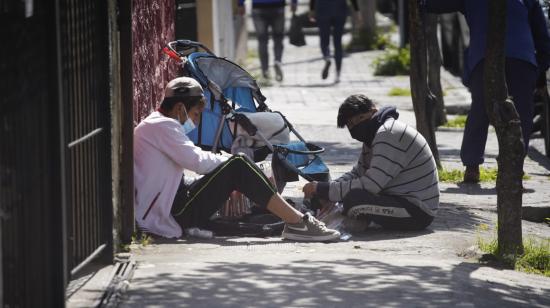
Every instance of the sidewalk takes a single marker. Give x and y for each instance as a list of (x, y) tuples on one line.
[(374, 268)]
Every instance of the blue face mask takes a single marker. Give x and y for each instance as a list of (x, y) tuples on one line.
[(189, 125)]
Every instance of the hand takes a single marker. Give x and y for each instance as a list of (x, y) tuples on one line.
[(242, 10), (309, 189)]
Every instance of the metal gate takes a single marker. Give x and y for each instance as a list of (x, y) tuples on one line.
[(55, 169), (85, 84)]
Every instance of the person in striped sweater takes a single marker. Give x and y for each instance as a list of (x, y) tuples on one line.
[(395, 181)]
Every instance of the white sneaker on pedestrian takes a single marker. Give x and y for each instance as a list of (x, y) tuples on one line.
[(309, 230)]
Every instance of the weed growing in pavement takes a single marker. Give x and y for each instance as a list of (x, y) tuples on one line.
[(535, 258), (457, 175), (379, 40), (142, 240), (456, 122), (394, 61), (124, 248), (399, 92)]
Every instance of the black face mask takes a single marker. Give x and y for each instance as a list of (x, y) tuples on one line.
[(365, 131)]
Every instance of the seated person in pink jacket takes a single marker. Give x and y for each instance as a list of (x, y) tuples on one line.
[(167, 203)]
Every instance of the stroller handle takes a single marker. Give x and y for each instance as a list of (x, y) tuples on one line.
[(312, 149), (180, 48)]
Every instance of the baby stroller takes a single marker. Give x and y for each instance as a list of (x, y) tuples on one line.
[(236, 118)]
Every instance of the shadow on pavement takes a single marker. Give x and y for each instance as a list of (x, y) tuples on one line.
[(476, 189), (454, 152), (349, 282), (539, 157), (309, 85), (340, 153)]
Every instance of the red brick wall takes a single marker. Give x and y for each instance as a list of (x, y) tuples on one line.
[(152, 28)]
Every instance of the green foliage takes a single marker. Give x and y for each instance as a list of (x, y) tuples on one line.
[(535, 258), (450, 176), (399, 92), (144, 239), (394, 61), (365, 40), (457, 122), (457, 175), (382, 41)]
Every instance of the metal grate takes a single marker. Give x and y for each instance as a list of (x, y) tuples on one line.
[(85, 86), (48, 148)]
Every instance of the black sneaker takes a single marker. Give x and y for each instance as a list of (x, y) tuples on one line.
[(324, 73), (278, 71), (310, 230)]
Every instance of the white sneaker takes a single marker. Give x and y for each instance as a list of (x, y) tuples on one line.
[(310, 230)]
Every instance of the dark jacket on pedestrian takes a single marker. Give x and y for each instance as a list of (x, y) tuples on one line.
[(331, 7), (267, 3), (527, 35)]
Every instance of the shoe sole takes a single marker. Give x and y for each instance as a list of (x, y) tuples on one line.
[(307, 238)]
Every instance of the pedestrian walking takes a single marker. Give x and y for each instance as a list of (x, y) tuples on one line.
[(331, 16), (395, 181), (527, 54), (166, 201), (269, 14)]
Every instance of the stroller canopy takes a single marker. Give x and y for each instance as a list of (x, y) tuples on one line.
[(228, 76)]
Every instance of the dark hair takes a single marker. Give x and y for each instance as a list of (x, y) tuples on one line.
[(353, 105), (168, 103)]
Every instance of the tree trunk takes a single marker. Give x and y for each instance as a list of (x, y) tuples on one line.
[(434, 69), (505, 119), (364, 34), (423, 101)]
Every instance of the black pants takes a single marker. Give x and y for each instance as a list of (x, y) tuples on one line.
[(194, 205), (521, 78), (390, 212)]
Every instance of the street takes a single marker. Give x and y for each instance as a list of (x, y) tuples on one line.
[(435, 267)]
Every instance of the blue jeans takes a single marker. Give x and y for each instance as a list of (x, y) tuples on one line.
[(331, 17), (265, 18), (521, 78)]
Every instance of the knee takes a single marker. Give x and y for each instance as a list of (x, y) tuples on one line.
[(353, 198), (239, 159)]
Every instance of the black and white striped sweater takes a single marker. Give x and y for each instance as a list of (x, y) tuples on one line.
[(399, 163)]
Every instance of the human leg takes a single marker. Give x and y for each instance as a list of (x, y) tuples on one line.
[(337, 32), (278, 31), (521, 78), (193, 206), (390, 212), (261, 26), (324, 35), (477, 123)]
